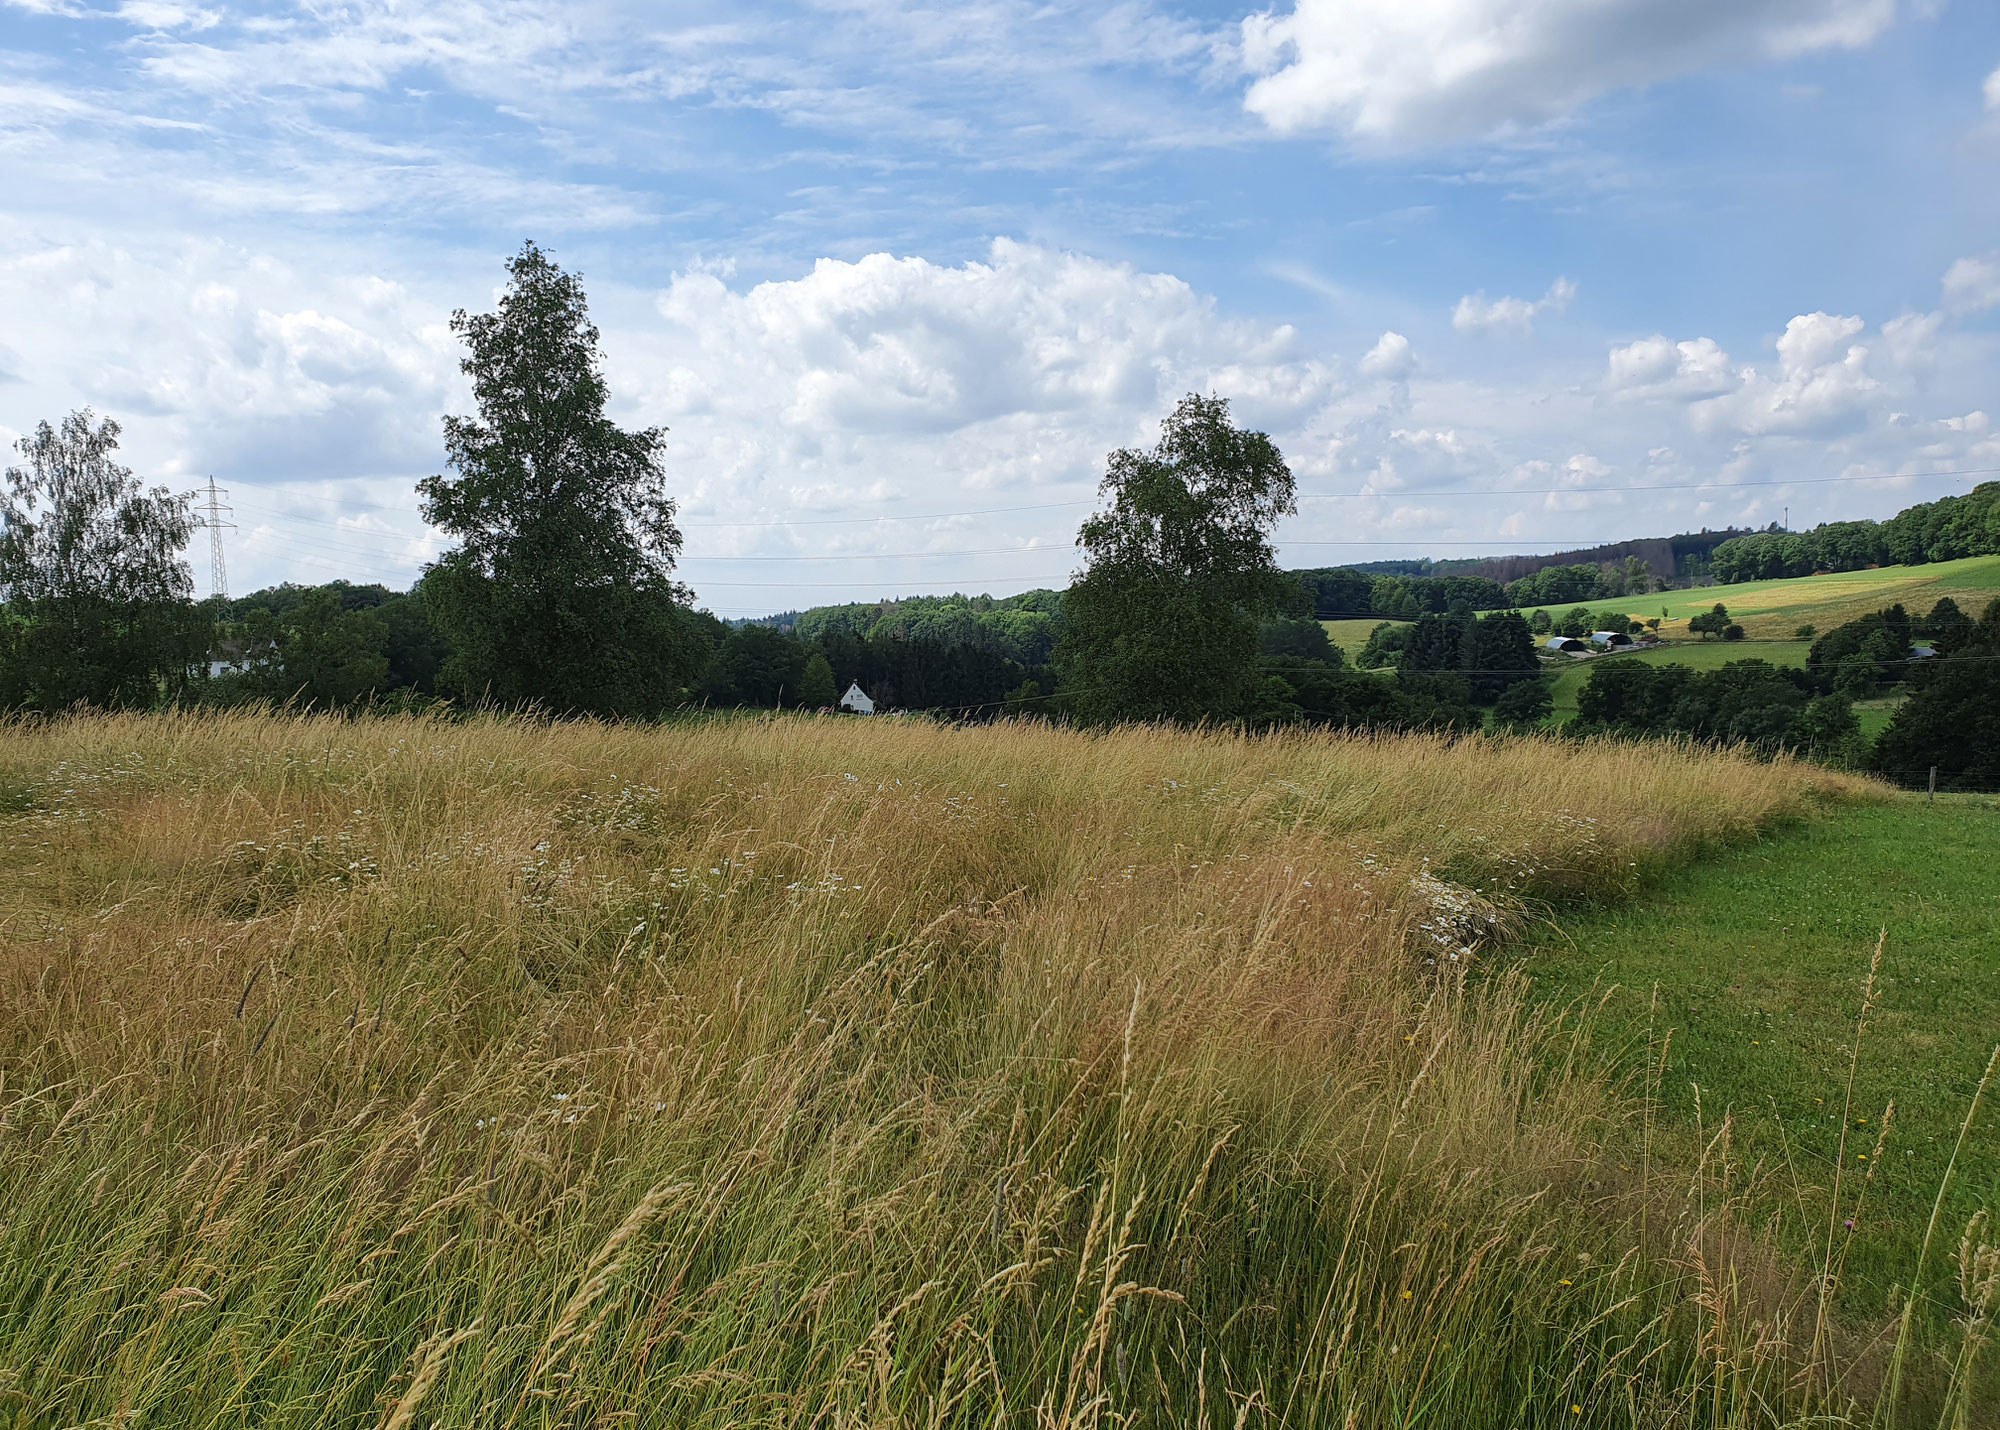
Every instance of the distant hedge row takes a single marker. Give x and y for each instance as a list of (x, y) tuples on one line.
[(1943, 530)]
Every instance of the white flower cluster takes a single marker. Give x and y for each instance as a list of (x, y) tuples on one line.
[(631, 807), (1453, 923), (72, 790), (293, 858)]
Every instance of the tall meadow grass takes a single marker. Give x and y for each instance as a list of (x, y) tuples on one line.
[(810, 1072)]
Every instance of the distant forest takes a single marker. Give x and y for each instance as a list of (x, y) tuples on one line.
[(1943, 530)]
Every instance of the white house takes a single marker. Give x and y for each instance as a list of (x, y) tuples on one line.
[(228, 658), (857, 700), (1565, 645), (1611, 640)]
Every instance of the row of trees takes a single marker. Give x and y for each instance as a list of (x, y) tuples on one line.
[(1943, 530), (1559, 585), (1863, 656), (1951, 720), (1019, 628), (1344, 593), (1746, 701)]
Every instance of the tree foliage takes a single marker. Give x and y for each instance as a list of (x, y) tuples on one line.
[(316, 654), (1952, 718), (1861, 656), (1304, 639), (560, 590), (1020, 628), (1745, 701), (95, 601), (1291, 690), (329, 645), (1523, 706), (756, 665), (1490, 653), (1553, 585), (1712, 622), (1163, 622)]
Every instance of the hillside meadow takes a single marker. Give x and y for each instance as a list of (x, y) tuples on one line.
[(1774, 610), (395, 1072)]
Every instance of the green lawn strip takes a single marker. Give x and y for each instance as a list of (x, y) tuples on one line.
[(1759, 955), (1702, 655)]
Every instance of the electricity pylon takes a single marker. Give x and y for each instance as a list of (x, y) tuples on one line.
[(212, 513)]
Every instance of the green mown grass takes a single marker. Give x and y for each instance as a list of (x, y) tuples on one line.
[(1759, 957)]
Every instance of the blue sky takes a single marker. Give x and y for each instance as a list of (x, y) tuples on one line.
[(1498, 276)]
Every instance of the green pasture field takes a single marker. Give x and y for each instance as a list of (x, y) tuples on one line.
[(1350, 636), (1774, 609), (1876, 714), (1759, 955), (1770, 611), (1702, 655)]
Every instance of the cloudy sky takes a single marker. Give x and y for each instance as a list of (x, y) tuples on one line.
[(1500, 275)]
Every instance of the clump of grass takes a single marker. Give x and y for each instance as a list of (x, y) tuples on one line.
[(826, 1072)]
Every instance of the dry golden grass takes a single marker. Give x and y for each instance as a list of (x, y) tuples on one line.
[(396, 1072)]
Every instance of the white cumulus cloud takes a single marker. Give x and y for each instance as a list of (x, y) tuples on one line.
[(1478, 313), (1390, 357), (1398, 72), (905, 350), (1657, 367), (1821, 384), (1972, 285)]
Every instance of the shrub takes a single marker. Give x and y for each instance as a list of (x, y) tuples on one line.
[(1524, 705)]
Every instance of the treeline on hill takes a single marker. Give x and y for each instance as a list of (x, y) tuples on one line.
[(1949, 720), (340, 645), (1942, 530), (761, 667), (1347, 592), (1019, 628), (1668, 558)]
